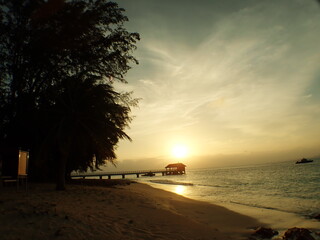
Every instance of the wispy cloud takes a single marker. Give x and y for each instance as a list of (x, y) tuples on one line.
[(248, 81)]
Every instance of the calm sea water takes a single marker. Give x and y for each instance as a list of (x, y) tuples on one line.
[(285, 186)]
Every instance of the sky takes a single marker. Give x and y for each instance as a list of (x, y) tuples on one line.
[(231, 82)]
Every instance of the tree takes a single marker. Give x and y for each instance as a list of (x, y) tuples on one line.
[(58, 61), (97, 115)]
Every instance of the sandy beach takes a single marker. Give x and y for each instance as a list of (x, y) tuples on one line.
[(130, 211)]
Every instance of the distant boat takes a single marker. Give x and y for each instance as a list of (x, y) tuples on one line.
[(304, 160)]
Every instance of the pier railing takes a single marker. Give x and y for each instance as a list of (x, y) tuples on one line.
[(119, 173)]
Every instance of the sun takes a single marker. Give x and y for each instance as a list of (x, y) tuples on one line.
[(179, 151)]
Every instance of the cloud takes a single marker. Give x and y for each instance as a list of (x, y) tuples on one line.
[(245, 81)]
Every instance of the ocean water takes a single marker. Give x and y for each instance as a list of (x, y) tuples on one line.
[(285, 186)]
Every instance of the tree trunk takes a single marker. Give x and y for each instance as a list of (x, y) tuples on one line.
[(61, 171), (61, 182)]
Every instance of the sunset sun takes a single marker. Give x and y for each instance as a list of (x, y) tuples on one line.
[(179, 151)]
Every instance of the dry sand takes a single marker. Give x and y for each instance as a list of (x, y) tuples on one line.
[(135, 211)]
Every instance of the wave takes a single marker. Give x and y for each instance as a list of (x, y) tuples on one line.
[(213, 186), (310, 214), (171, 182), (264, 207)]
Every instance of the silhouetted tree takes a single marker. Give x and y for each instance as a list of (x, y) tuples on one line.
[(88, 119), (58, 61)]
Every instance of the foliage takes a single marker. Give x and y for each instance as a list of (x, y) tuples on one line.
[(58, 61)]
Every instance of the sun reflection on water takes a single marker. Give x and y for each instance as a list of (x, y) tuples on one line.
[(180, 189)]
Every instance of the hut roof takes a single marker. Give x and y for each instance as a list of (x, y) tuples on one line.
[(172, 165)]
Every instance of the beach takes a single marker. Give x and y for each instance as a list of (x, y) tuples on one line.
[(282, 195), (127, 211)]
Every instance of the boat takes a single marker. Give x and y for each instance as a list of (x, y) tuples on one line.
[(149, 174), (304, 160)]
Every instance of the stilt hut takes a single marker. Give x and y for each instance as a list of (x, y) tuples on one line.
[(176, 169)]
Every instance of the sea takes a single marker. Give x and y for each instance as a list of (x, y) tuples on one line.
[(281, 187)]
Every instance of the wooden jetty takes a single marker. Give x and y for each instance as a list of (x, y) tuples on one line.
[(171, 169), (120, 173)]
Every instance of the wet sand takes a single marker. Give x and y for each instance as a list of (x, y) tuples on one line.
[(134, 211)]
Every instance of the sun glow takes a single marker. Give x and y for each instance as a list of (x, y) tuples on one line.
[(179, 151), (180, 189)]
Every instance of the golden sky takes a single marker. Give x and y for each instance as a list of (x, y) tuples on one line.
[(233, 82)]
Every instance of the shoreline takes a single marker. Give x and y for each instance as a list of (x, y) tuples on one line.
[(130, 211), (275, 219)]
